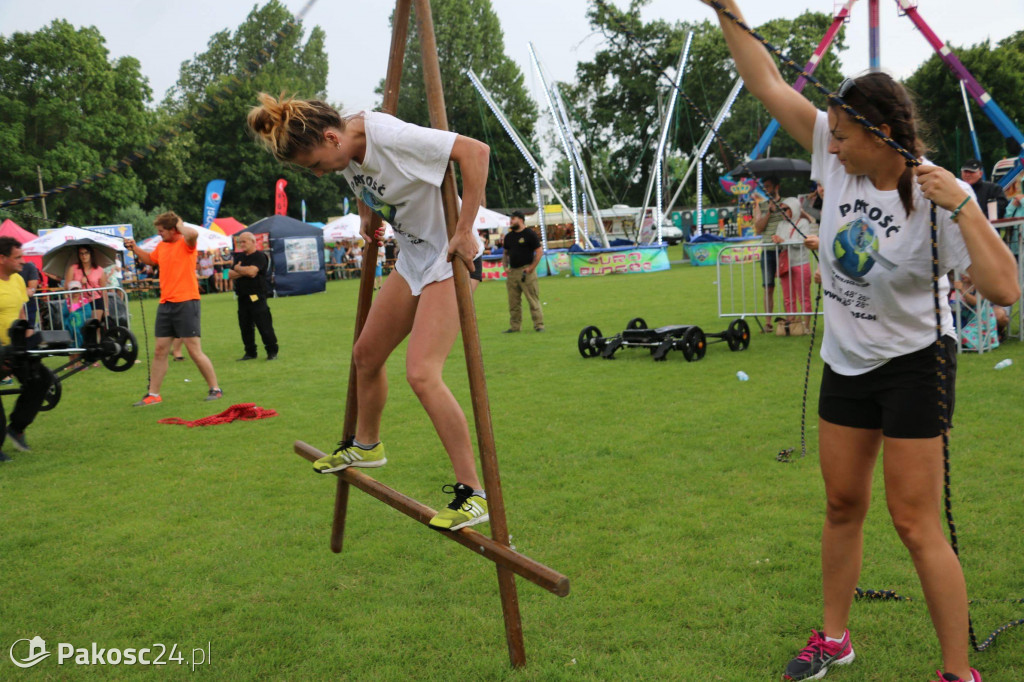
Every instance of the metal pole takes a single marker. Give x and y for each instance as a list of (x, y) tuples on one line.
[(392, 81), (39, 173), (471, 345)]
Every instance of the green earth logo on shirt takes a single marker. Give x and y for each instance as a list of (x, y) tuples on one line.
[(386, 211), (856, 248)]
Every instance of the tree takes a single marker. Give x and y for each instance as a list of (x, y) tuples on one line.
[(469, 36), (68, 111), (937, 91), (214, 93), (616, 94)]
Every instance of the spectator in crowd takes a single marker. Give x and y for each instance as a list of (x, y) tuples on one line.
[(418, 299), (1014, 209), (886, 349), (30, 273), (766, 221), (88, 275), (812, 202), (178, 314), (523, 252), (250, 275), (222, 262), (794, 263), (34, 378), (207, 273), (972, 173), (355, 254)]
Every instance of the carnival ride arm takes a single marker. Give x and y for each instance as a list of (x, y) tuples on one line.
[(761, 76)]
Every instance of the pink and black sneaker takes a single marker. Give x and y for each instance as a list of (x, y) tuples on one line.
[(950, 677), (814, 660)]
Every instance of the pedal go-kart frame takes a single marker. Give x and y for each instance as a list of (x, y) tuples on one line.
[(690, 339)]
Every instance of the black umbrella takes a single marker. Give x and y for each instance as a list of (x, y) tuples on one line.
[(57, 259), (772, 165)]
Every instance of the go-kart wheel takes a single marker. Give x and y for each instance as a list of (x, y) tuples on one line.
[(738, 335), (590, 342), (53, 393), (695, 344), (120, 349), (637, 323)]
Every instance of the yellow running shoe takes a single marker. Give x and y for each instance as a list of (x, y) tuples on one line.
[(351, 455), (467, 509)]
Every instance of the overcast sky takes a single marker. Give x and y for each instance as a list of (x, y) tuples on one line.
[(163, 34)]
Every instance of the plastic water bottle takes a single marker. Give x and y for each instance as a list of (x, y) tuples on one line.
[(1003, 364), (742, 376)]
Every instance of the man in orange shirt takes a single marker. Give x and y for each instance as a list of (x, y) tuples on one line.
[(178, 313)]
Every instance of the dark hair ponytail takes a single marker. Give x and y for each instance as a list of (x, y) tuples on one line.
[(884, 101)]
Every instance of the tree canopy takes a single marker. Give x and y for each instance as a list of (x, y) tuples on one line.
[(58, 88)]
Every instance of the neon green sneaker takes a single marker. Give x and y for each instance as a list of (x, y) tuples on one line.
[(350, 455), (466, 509)]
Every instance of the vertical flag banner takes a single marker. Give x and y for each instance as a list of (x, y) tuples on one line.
[(344, 204), (214, 193), (281, 199), (303, 210)]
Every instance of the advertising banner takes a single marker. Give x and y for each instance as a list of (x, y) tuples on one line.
[(280, 198), (627, 261), (730, 252), (214, 193)]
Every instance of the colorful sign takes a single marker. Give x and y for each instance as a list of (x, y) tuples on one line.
[(214, 193), (280, 198), (630, 261), (728, 253)]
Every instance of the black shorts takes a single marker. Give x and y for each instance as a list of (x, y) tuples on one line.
[(478, 269), (177, 320), (769, 265), (901, 397)]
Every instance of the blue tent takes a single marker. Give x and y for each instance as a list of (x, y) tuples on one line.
[(297, 255)]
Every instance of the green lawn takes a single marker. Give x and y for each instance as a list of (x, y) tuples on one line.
[(692, 553)]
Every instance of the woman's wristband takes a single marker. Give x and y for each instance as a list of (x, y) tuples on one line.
[(956, 211)]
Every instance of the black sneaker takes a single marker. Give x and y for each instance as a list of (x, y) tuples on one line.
[(272, 356), (246, 357), (4, 457), (18, 440), (813, 661), (214, 394)]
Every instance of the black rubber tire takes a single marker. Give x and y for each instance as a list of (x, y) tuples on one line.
[(637, 323), (590, 342), (738, 335), (124, 347)]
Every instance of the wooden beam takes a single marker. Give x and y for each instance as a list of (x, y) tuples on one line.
[(500, 554), (399, 38)]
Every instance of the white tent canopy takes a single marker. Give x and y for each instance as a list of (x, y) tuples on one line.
[(486, 219), (347, 227), (208, 240), (54, 238)]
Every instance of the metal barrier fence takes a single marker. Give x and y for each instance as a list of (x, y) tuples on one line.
[(70, 310), (740, 279), (741, 291)]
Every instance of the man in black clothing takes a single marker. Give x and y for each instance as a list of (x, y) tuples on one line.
[(971, 173), (250, 275), (522, 254)]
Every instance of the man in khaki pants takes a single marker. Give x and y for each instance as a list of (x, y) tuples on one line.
[(522, 254)]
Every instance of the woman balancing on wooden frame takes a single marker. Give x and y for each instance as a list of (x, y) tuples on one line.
[(395, 169), (880, 342)]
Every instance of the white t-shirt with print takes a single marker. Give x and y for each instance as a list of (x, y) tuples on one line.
[(400, 180), (876, 266)]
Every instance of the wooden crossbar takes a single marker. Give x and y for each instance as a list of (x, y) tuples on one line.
[(500, 554)]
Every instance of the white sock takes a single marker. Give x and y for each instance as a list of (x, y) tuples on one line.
[(480, 493), (830, 639)]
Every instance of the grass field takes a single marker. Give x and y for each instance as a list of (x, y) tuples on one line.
[(692, 553)]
